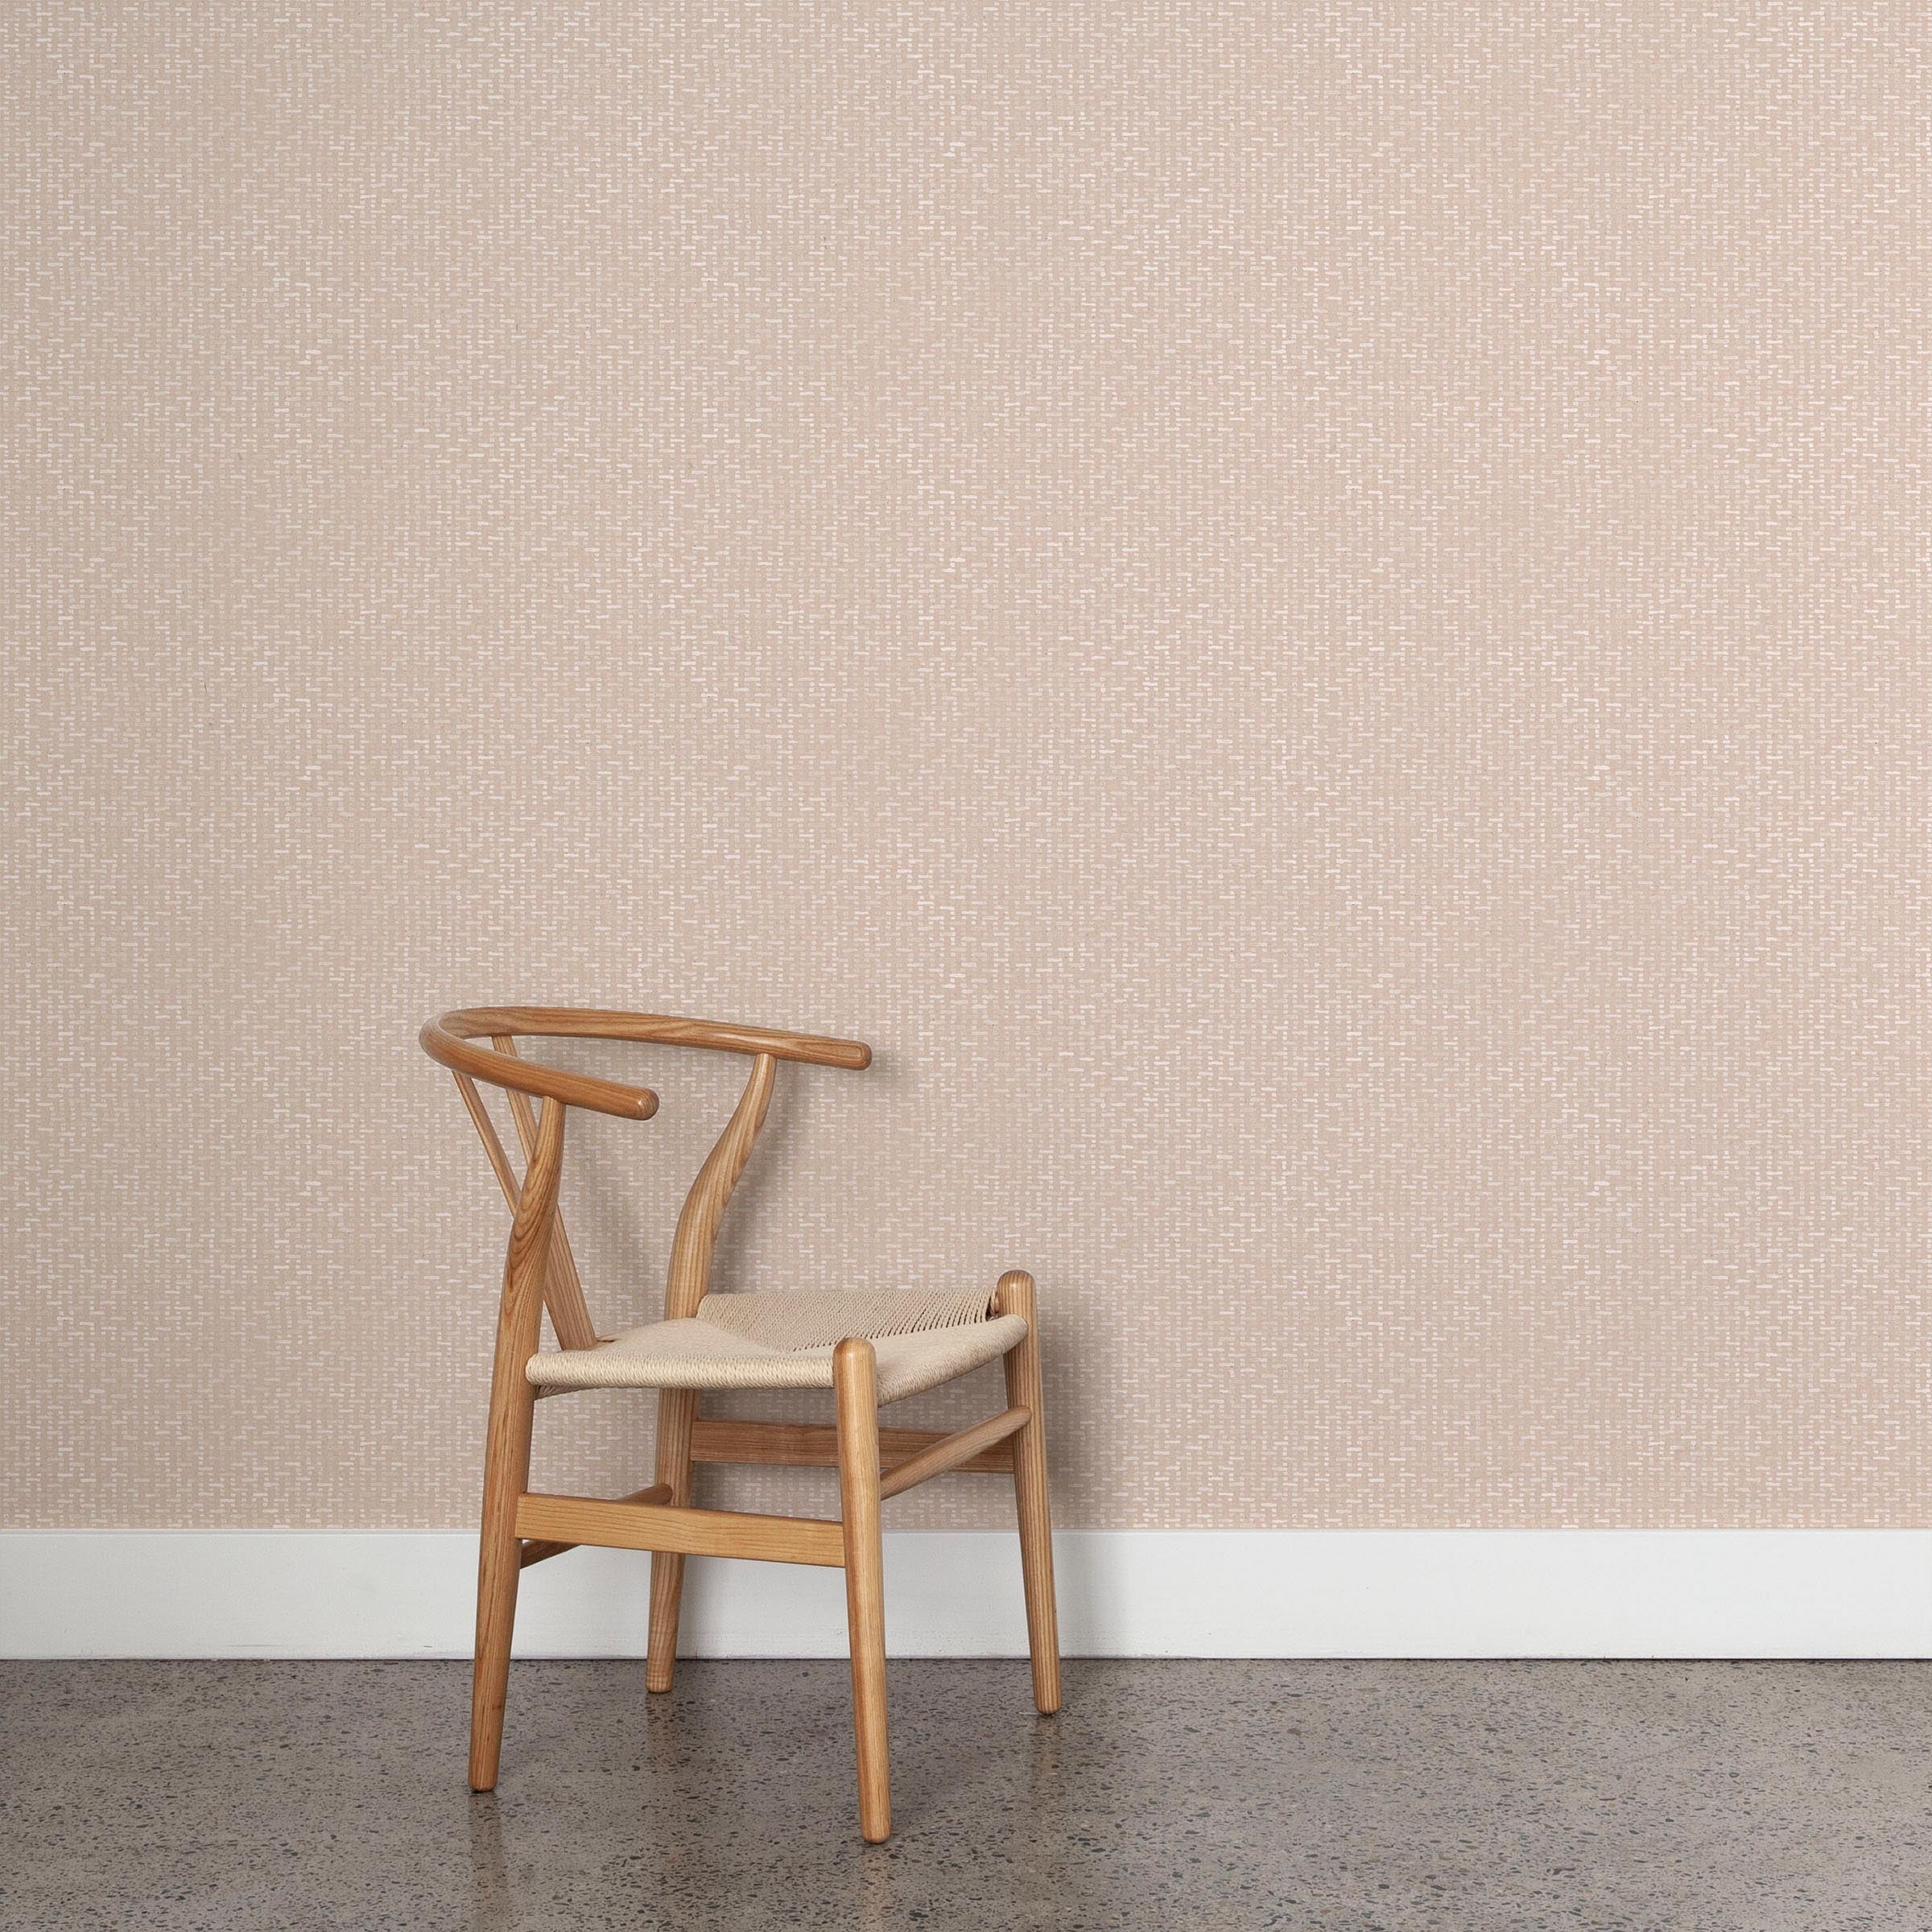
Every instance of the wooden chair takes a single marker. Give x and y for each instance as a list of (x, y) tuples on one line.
[(867, 1348)]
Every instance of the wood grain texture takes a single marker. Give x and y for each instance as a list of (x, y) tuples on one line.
[(451, 1040), (541, 1550), (951, 1451), (506, 1451), (686, 1279), (493, 1145), (697, 1231), (856, 1395), (563, 1291), (815, 1446), (772, 1539), (562, 1286), (1015, 1295), (592, 1023), (677, 1411)]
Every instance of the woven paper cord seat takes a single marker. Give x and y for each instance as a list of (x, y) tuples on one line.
[(785, 1341)]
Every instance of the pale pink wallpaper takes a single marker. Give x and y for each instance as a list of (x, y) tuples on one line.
[(1313, 618)]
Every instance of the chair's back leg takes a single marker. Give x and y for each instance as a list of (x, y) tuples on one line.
[(685, 1287), (506, 1455), (1014, 1296), (677, 1411), (854, 1377)]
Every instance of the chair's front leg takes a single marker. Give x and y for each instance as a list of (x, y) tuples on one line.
[(677, 1411), (506, 1453), (505, 1476), (1014, 1296), (854, 1376)]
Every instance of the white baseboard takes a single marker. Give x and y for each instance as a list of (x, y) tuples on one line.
[(1131, 1593)]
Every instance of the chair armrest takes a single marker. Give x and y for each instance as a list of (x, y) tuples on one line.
[(453, 1041), (585, 1023)]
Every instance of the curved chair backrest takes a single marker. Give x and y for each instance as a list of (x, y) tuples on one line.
[(478, 1043)]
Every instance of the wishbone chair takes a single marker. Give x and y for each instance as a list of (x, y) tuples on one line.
[(867, 1348)]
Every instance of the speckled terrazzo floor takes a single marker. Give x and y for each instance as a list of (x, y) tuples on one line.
[(1358, 1797)]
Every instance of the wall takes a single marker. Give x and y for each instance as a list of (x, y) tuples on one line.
[(1314, 619)]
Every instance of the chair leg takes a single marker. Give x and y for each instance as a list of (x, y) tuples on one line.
[(855, 1386), (505, 1476), (1015, 1296), (677, 1411)]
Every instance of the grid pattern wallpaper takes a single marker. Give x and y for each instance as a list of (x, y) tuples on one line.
[(1313, 618)]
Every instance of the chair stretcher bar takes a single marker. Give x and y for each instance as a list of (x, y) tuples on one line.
[(542, 1552), (777, 1539), (815, 1446), (951, 1451)]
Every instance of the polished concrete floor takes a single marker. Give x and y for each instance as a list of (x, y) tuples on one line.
[(1356, 1797)]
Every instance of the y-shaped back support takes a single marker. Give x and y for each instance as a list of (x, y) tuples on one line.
[(455, 1041), (697, 1236), (562, 1286)]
